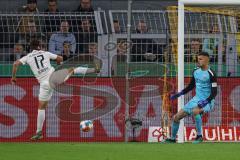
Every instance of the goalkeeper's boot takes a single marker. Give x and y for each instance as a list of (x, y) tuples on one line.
[(169, 140), (38, 136), (198, 139)]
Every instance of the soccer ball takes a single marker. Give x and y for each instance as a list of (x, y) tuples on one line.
[(86, 125)]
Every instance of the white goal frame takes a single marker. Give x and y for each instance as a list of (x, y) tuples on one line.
[(181, 4)]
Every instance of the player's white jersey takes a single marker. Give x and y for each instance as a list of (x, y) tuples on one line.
[(39, 62)]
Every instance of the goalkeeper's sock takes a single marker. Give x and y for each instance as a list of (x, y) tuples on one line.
[(198, 121), (80, 70), (175, 127), (40, 119)]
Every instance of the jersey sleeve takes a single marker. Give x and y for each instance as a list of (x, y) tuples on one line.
[(213, 81), (190, 86), (23, 60), (52, 56)]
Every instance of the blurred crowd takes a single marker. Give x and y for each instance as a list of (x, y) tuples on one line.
[(70, 37)]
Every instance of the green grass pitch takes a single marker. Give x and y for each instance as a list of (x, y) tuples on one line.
[(119, 151)]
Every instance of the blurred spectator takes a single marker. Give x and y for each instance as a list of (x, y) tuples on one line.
[(120, 57), (210, 45), (116, 26), (85, 35), (86, 26), (57, 40), (52, 23), (142, 27), (144, 49), (93, 52), (121, 51), (66, 50), (85, 6), (192, 52), (93, 49), (122, 47), (52, 7), (29, 25), (18, 52), (31, 32), (31, 7)]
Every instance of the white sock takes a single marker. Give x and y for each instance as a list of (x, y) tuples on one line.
[(80, 70), (40, 119)]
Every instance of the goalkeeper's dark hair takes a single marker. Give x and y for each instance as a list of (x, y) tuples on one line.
[(35, 45), (203, 54)]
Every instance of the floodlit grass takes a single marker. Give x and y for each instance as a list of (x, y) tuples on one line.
[(119, 151)]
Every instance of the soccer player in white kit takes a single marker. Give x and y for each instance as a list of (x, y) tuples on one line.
[(39, 62)]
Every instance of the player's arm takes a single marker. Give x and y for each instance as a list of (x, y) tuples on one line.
[(213, 80), (190, 86), (14, 70), (59, 60)]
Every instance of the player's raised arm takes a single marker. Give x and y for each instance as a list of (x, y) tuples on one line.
[(14, 70), (190, 86)]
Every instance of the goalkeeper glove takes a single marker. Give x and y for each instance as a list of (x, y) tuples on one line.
[(202, 103), (176, 95)]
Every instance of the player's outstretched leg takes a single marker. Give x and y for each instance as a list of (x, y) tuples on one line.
[(198, 121), (81, 70), (85, 70), (61, 76), (175, 126)]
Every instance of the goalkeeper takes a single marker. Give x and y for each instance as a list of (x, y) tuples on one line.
[(204, 79)]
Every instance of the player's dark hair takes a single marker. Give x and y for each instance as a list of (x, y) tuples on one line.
[(195, 39), (52, 1), (203, 54), (31, 1), (35, 44)]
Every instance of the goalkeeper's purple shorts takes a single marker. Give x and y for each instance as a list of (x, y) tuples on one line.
[(193, 103)]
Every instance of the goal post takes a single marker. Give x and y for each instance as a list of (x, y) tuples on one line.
[(180, 55)]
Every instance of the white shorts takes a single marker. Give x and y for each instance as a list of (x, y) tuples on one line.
[(45, 92)]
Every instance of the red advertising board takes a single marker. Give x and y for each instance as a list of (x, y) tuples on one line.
[(104, 101)]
